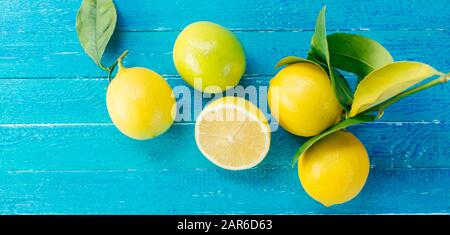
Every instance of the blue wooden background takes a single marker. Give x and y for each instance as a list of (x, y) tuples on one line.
[(60, 154)]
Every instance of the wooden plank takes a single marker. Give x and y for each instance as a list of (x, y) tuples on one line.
[(142, 15), (59, 55), (27, 101), (59, 153), (177, 191), (102, 147)]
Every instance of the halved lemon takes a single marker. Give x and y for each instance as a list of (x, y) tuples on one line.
[(233, 133)]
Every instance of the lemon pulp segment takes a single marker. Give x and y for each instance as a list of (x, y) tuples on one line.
[(233, 134)]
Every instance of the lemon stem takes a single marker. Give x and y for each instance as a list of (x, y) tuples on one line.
[(117, 62), (444, 78)]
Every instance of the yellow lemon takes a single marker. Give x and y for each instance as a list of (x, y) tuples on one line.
[(140, 103), (335, 169), (233, 133), (302, 99), (209, 57)]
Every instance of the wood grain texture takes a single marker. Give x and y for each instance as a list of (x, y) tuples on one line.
[(81, 100), (59, 55), (144, 15), (60, 154), (103, 147), (216, 191)]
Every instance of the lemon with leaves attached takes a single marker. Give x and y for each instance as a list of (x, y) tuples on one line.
[(209, 57), (302, 99), (334, 169), (140, 103)]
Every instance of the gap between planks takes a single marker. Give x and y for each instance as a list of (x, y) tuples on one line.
[(26, 125), (266, 30), (104, 78), (287, 167)]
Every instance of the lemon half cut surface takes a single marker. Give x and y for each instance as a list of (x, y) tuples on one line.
[(233, 133)]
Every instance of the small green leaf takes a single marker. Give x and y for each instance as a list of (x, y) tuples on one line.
[(319, 45), (292, 60), (357, 54), (319, 52), (387, 82), (95, 24), (339, 126)]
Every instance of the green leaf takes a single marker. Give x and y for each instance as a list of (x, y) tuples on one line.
[(313, 57), (387, 82), (95, 24), (380, 107), (339, 126), (357, 54), (292, 60), (319, 45), (319, 52)]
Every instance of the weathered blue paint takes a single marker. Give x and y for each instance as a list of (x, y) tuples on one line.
[(82, 100), (59, 150), (59, 55)]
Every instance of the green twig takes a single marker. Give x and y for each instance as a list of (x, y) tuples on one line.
[(117, 62), (110, 71)]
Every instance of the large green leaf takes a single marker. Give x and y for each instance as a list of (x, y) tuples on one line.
[(319, 52), (339, 126), (95, 24), (357, 54), (387, 82), (380, 107)]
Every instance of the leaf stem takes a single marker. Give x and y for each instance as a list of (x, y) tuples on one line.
[(380, 108), (103, 67)]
